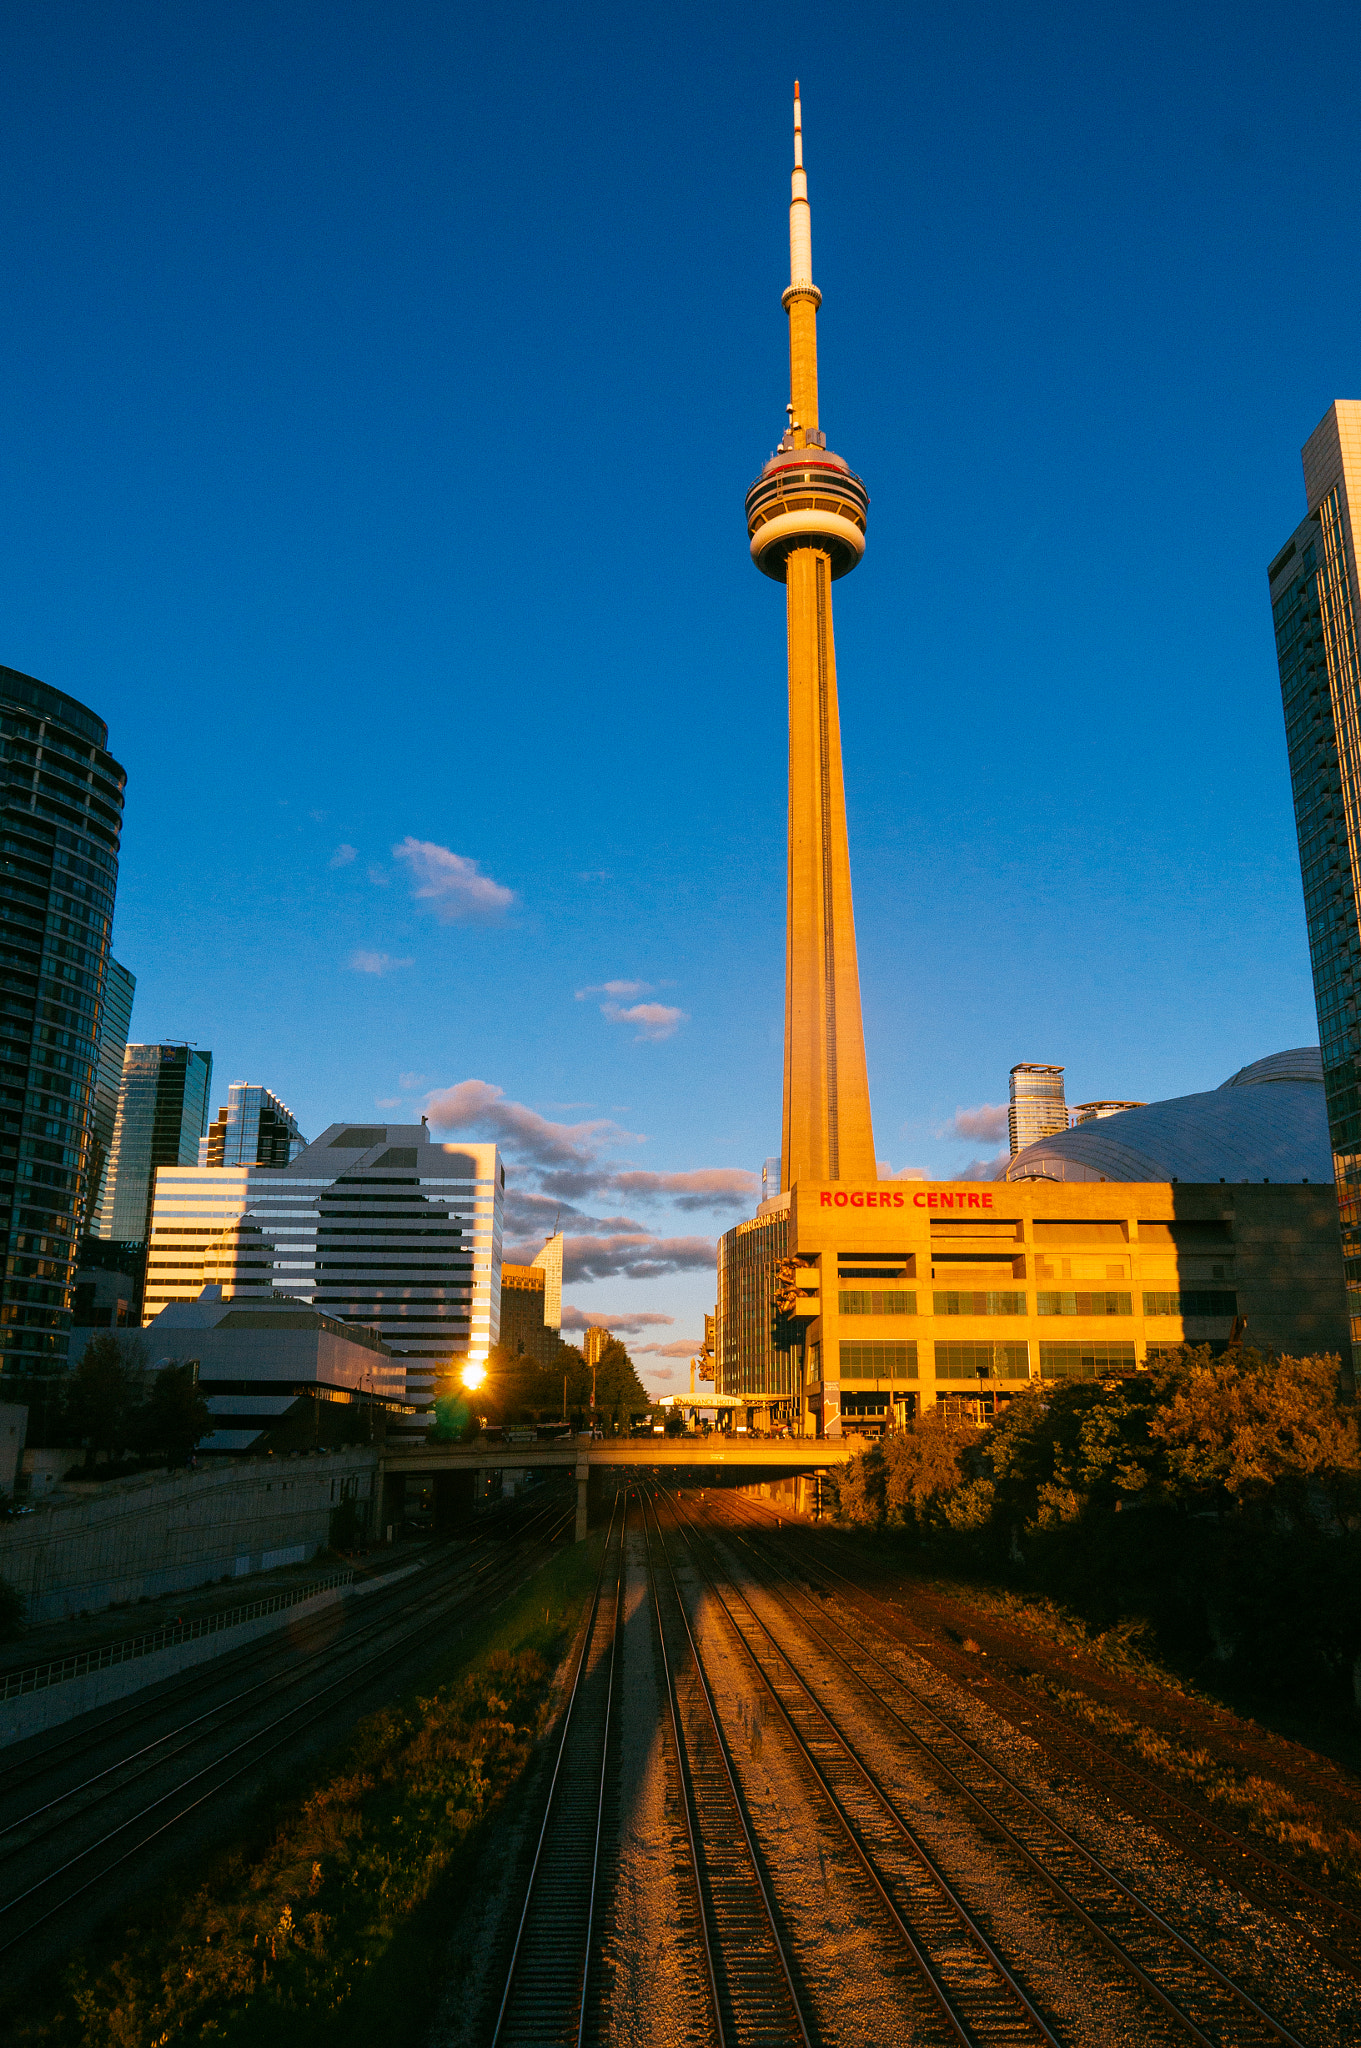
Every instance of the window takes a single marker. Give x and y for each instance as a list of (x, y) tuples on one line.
[(878, 1361), (858, 1302), (982, 1361), (1003, 1303), (1199, 1302), (1083, 1305), (1085, 1361)]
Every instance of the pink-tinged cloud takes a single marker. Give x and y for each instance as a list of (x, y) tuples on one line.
[(451, 884), (704, 1187), (988, 1122), (376, 963), (634, 1256), (655, 1021), (480, 1106), (628, 1325), (984, 1169), (684, 1347)]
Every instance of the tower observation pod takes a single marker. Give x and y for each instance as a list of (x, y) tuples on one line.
[(806, 517)]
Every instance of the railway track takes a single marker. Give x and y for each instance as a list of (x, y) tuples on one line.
[(1266, 1882), (1191, 1992), (749, 1977), (966, 1993), (86, 1839), (546, 1998)]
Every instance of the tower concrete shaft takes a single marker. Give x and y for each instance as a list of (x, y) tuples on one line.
[(806, 515)]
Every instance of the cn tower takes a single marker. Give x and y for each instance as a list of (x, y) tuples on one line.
[(806, 517)]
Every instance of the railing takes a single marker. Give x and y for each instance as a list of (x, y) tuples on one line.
[(37, 1676)]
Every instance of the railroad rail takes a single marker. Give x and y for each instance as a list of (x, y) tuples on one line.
[(1273, 1886), (1191, 1989), (749, 1976), (546, 1998), (86, 1864), (968, 1993)]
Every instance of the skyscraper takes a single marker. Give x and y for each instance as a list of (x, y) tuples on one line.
[(1315, 604), (549, 1262), (806, 517), (162, 1114), (1037, 1108), (115, 1022), (372, 1224), (61, 813), (253, 1128)]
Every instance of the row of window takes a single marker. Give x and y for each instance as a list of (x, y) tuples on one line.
[(1005, 1302), (972, 1362)]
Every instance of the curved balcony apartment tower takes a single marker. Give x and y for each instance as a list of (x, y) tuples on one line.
[(806, 517)]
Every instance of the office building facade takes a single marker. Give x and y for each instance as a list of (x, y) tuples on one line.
[(162, 1114), (756, 1350), (61, 799), (115, 1025), (1037, 1108), (374, 1225), (253, 1128), (928, 1291), (1315, 605)]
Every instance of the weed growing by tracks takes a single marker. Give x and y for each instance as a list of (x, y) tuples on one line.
[(324, 1922)]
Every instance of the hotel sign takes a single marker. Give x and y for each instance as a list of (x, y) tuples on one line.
[(898, 1198)]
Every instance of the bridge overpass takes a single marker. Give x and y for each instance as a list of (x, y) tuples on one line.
[(718, 1459)]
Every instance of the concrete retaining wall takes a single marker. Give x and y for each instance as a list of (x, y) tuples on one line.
[(32, 1712), (168, 1532)]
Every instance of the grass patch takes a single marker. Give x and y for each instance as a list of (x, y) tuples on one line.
[(324, 1922), (1298, 1832)]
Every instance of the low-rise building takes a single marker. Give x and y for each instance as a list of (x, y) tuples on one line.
[(279, 1376)]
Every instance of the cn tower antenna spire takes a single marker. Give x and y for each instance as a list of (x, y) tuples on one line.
[(800, 219)]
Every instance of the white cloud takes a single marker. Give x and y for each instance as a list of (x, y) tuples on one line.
[(376, 963), (409, 1081), (378, 876), (655, 1021), (342, 857), (616, 988), (452, 884), (387, 1101)]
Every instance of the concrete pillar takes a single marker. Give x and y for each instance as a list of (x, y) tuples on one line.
[(583, 1483)]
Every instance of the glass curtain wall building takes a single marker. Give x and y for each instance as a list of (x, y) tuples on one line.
[(1315, 602), (253, 1128), (374, 1225), (1037, 1108), (757, 1351), (162, 1112), (61, 795), (114, 1025)]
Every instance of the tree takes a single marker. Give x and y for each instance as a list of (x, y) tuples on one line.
[(1243, 1425), (618, 1389), (102, 1400), (176, 1415)]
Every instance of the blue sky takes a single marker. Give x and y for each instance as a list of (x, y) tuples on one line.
[(380, 385)]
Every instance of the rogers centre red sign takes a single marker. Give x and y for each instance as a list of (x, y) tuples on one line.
[(885, 1198)]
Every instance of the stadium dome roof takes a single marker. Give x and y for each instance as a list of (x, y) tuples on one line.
[(1266, 1122)]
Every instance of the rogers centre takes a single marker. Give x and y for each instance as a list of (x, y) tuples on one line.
[(845, 1308)]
